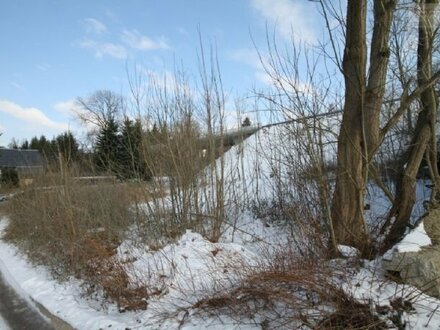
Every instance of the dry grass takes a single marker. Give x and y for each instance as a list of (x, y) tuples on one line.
[(53, 220), (74, 228), (293, 293)]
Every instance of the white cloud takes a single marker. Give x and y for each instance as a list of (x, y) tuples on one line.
[(183, 31), (74, 110), (265, 74), (43, 67), (100, 49), (18, 86), (137, 41), (31, 115), (293, 18), (69, 107), (132, 39), (93, 26)]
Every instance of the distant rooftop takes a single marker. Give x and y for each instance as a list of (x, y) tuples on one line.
[(20, 158)]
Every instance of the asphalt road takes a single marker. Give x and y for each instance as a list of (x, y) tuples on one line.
[(17, 313)]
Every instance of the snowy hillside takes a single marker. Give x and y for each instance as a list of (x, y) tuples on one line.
[(194, 283)]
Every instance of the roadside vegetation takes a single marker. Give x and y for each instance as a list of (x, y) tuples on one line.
[(158, 167)]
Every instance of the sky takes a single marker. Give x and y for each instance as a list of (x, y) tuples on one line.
[(53, 51)]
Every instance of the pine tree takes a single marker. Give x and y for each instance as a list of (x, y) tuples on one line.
[(246, 122), (107, 145), (25, 145), (34, 144), (127, 150), (130, 154), (67, 146)]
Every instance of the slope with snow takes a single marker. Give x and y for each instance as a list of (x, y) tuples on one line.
[(192, 268)]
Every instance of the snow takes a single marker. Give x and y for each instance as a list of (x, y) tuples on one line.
[(369, 285), (348, 251), (414, 240), (193, 268), (3, 325)]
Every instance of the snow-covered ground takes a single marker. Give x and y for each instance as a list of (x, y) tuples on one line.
[(3, 324), (193, 268), (188, 270)]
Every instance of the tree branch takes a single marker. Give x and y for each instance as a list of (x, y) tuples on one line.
[(405, 102)]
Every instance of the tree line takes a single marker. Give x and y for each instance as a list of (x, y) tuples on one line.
[(118, 148), (64, 145)]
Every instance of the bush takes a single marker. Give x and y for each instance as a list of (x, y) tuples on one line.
[(293, 294), (9, 177), (74, 227), (54, 223)]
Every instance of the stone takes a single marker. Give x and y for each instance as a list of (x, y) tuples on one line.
[(421, 269)]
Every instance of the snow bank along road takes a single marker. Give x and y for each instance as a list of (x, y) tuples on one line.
[(17, 313)]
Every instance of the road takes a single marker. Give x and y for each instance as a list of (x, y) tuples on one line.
[(17, 313)]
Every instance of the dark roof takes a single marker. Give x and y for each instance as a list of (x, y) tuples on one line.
[(20, 158)]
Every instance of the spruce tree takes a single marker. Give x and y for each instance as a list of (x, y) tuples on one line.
[(67, 146), (246, 122), (107, 147), (131, 156)]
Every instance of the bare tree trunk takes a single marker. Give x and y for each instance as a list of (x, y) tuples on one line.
[(360, 134), (347, 206), (379, 56), (424, 136)]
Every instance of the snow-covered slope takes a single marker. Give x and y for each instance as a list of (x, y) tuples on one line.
[(193, 268)]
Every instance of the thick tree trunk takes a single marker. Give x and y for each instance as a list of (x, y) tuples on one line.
[(347, 206), (360, 134), (424, 137), (400, 212), (375, 90)]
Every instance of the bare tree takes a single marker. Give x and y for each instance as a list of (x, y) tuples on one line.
[(362, 108), (362, 132), (424, 138), (101, 106)]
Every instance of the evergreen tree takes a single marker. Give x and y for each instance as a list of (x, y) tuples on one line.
[(25, 145), (35, 143), (246, 122), (66, 145), (127, 149), (44, 146), (131, 156), (107, 147)]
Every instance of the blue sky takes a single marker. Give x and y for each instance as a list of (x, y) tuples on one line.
[(56, 50)]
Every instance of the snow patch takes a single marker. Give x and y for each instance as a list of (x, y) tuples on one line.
[(348, 251), (412, 242)]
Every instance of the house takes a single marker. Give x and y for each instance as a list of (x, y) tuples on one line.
[(28, 163)]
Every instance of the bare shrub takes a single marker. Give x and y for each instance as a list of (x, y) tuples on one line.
[(74, 227), (293, 293), (184, 152), (53, 222), (105, 276)]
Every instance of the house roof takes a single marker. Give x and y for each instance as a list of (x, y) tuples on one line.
[(20, 158)]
